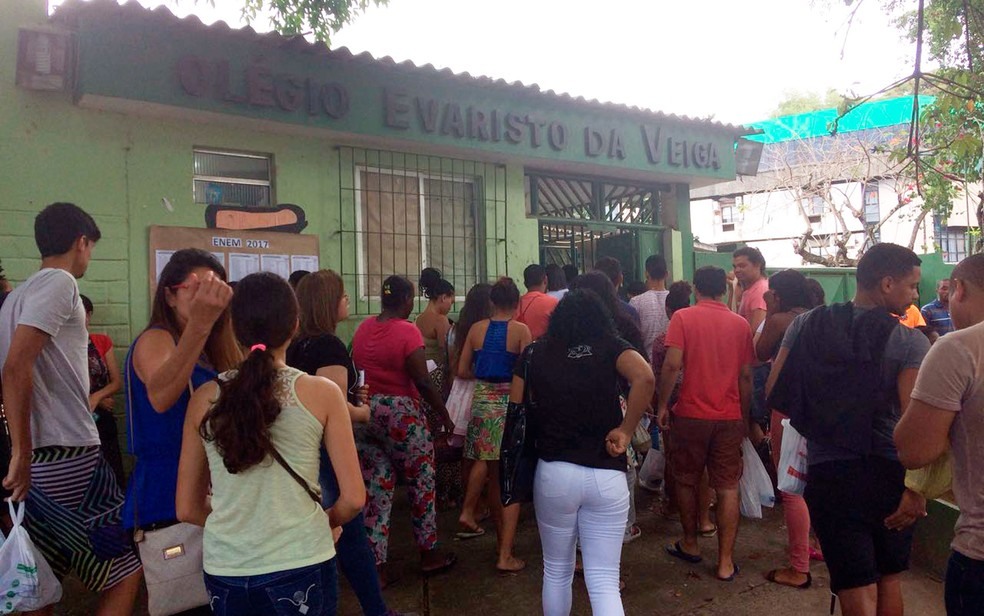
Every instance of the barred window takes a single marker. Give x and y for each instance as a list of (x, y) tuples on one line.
[(229, 178), (410, 220), (953, 244), (872, 210)]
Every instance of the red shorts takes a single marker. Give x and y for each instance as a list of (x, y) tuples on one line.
[(697, 444)]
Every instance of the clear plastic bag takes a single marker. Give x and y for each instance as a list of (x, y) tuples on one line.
[(792, 461), (26, 580), (755, 486), (652, 470), (934, 480), (459, 404)]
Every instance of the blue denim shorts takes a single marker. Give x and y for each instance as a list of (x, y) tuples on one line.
[(308, 591)]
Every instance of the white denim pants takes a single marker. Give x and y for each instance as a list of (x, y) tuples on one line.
[(576, 502)]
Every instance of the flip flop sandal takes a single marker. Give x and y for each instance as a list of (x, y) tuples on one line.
[(634, 533), (771, 576), (677, 552), (707, 534), (465, 535), (449, 560), (730, 578)]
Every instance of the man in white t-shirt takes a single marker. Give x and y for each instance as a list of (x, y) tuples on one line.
[(651, 305), (73, 502), (947, 412)]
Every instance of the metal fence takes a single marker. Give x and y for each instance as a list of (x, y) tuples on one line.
[(401, 212)]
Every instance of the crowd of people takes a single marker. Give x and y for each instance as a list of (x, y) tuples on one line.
[(258, 433)]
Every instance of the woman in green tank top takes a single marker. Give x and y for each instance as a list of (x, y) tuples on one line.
[(255, 436)]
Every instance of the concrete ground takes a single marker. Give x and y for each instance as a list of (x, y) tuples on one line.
[(656, 584)]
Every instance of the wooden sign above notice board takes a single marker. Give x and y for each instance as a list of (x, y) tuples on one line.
[(240, 252)]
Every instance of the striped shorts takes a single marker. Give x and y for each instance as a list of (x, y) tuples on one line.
[(74, 516)]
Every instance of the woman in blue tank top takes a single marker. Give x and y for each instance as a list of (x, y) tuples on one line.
[(188, 341), (489, 356)]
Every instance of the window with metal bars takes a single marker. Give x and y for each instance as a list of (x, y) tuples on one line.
[(579, 198), (403, 212), (231, 178), (953, 244)]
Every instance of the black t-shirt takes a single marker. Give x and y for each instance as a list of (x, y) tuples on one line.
[(315, 352), (575, 391)]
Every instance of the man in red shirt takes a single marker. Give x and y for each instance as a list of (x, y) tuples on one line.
[(536, 306), (713, 347)]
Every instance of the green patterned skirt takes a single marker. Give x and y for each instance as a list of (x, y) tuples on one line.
[(488, 421)]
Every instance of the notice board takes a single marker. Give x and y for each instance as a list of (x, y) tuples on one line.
[(240, 252)]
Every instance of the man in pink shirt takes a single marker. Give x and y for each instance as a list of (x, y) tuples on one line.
[(713, 347), (749, 268), (536, 306)]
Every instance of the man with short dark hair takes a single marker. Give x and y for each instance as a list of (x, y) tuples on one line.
[(749, 270), (536, 306), (295, 278), (612, 267), (937, 312), (946, 412), (843, 375), (713, 347), (651, 305), (56, 465), (570, 273)]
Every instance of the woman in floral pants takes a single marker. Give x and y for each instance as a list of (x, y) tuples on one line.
[(390, 350)]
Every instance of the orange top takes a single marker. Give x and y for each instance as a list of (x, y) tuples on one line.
[(913, 318), (534, 311), (716, 344)]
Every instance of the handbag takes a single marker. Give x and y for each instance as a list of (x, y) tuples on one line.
[(171, 555), (517, 457)]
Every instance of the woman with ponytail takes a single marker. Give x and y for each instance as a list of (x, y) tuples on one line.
[(434, 325), (390, 350), (254, 436)]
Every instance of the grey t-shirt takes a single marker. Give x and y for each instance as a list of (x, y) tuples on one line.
[(653, 321), (904, 349), (952, 379), (49, 301)]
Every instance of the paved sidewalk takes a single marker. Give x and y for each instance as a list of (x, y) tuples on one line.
[(656, 583)]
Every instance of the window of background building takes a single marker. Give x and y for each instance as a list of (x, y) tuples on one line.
[(231, 178), (816, 208), (872, 209), (411, 220), (954, 244), (727, 214)]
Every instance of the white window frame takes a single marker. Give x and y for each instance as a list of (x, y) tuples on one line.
[(362, 275), (231, 180)]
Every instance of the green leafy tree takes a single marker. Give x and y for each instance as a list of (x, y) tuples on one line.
[(317, 18), (945, 145)]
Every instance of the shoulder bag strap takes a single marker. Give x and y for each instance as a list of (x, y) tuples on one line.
[(131, 423), (290, 471)]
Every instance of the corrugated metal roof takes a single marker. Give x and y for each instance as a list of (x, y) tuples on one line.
[(70, 11)]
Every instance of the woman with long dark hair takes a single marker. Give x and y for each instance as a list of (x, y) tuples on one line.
[(489, 356), (600, 284), (478, 306), (789, 296), (249, 468), (104, 382), (390, 350), (188, 341), (317, 351), (581, 437)]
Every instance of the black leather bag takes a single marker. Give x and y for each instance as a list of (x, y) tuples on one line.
[(517, 458)]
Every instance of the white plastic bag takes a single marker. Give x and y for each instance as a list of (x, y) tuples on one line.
[(755, 486), (792, 461), (26, 580), (652, 470), (459, 404)]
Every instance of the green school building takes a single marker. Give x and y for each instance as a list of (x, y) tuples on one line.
[(280, 154)]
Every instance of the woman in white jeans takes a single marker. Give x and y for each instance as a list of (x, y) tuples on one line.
[(581, 438)]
